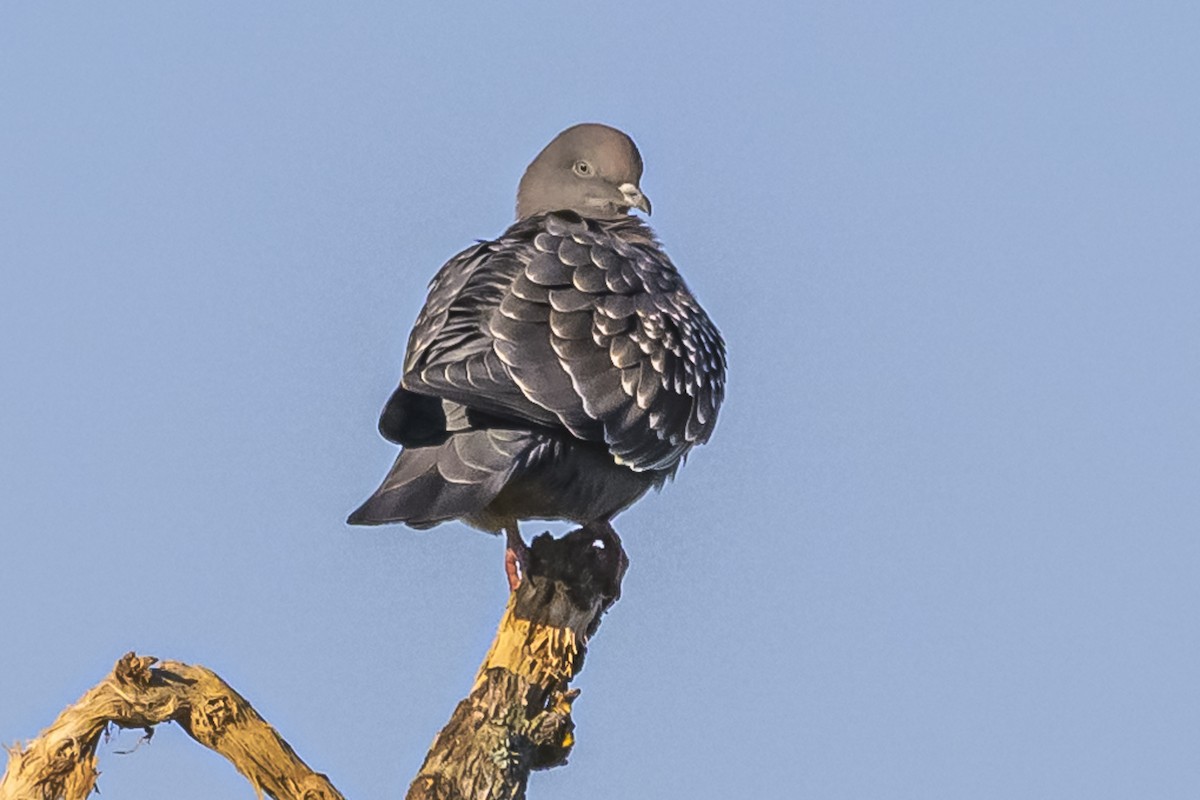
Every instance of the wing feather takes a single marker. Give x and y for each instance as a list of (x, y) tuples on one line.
[(572, 323)]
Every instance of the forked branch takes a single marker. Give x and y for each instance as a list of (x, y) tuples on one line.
[(517, 717)]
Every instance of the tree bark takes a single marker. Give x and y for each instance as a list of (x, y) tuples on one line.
[(517, 717), (61, 762)]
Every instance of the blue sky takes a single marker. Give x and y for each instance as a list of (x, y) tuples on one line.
[(943, 543)]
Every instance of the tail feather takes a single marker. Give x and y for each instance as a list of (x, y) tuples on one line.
[(436, 483)]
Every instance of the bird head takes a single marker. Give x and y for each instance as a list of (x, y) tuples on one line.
[(590, 169)]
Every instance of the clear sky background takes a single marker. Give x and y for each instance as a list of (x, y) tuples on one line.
[(943, 543)]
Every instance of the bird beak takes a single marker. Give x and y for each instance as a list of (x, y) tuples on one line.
[(634, 197)]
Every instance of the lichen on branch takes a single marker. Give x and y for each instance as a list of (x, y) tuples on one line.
[(517, 717)]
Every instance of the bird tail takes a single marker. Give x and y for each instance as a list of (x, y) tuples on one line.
[(456, 478)]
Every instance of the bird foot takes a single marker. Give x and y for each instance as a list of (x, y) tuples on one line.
[(516, 558)]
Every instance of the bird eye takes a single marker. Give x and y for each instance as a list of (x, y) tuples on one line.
[(583, 168)]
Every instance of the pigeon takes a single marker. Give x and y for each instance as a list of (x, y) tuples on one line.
[(559, 371)]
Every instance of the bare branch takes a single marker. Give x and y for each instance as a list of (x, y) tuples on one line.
[(61, 763), (517, 717)]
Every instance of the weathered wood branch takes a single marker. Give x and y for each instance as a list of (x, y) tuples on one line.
[(517, 717), (61, 763)]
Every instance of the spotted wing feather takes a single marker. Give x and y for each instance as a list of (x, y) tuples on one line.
[(580, 324), (450, 353)]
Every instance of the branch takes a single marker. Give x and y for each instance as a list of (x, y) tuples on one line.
[(61, 763), (517, 717)]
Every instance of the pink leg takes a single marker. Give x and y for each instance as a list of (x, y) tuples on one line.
[(515, 556)]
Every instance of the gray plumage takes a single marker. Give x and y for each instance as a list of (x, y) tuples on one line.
[(559, 371)]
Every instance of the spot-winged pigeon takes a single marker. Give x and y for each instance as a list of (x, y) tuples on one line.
[(559, 371)]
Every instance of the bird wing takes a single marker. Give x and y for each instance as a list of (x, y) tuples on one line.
[(450, 351), (566, 322)]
